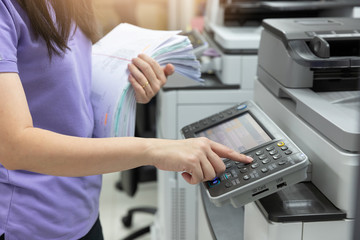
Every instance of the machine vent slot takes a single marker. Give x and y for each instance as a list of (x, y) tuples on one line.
[(182, 214), (336, 79), (174, 214)]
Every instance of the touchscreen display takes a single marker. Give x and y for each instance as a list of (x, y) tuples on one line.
[(239, 134)]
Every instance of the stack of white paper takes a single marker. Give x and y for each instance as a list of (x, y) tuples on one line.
[(112, 96)]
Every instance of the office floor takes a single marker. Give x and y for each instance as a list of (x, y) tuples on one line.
[(114, 204)]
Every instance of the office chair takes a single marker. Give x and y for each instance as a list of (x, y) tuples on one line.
[(130, 179), (128, 183)]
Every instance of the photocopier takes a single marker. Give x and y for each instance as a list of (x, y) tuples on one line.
[(308, 83), (233, 28)]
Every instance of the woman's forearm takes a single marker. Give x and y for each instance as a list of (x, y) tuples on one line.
[(50, 153)]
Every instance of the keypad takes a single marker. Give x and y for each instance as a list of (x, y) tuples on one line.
[(271, 160), (267, 160)]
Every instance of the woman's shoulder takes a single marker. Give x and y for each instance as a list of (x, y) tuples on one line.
[(10, 10), (11, 22), (9, 6)]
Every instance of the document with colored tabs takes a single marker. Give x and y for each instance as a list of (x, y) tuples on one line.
[(112, 96)]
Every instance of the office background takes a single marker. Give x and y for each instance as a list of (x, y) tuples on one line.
[(153, 14)]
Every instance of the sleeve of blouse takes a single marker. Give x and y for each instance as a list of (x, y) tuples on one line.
[(8, 38)]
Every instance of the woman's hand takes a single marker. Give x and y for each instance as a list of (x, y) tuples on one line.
[(199, 159), (147, 77)]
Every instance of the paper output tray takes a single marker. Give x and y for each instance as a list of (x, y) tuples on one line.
[(302, 202)]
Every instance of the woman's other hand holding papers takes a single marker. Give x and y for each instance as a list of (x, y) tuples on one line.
[(147, 77)]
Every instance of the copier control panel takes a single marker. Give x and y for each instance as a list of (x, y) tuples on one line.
[(245, 128)]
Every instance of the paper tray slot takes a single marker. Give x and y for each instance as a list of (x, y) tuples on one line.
[(300, 202)]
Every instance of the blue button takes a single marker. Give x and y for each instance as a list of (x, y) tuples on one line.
[(242, 107), (214, 182)]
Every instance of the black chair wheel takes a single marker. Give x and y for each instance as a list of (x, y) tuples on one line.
[(119, 186), (127, 221)]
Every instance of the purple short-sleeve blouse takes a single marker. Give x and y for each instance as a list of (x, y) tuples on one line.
[(36, 206)]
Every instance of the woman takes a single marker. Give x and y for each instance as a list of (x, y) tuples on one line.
[(50, 167)]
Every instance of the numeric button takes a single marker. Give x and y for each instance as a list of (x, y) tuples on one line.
[(255, 165), (259, 152), (273, 152), (284, 148), (270, 148), (262, 157), (243, 170), (246, 177), (228, 165), (282, 162), (265, 161), (288, 152)]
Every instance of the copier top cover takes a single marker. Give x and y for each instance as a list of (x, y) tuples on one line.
[(307, 28), (317, 66)]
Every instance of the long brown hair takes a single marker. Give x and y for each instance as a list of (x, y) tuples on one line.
[(56, 35)]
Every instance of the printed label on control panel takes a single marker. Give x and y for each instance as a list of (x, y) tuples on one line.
[(279, 180), (259, 189)]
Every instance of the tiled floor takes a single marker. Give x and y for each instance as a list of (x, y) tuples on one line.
[(114, 204)]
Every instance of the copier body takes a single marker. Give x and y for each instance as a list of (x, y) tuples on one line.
[(322, 120)]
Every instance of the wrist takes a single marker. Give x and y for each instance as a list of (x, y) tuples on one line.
[(149, 152)]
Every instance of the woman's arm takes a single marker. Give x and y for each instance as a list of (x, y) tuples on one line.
[(28, 148), (24, 147)]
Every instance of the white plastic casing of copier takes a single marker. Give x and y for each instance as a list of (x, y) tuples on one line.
[(334, 172), (324, 124), (236, 68), (232, 68)]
